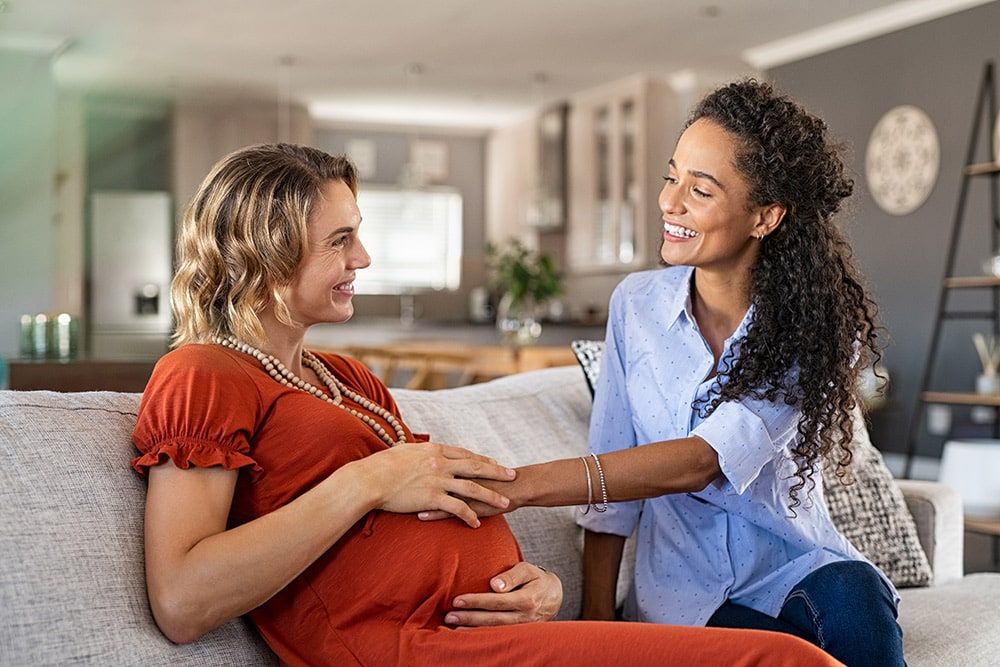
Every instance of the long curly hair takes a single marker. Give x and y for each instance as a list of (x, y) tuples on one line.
[(813, 326), (244, 236)]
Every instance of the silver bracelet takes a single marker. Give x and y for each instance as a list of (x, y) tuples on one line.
[(604, 489), (590, 487)]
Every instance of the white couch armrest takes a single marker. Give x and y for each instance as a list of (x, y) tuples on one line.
[(937, 511)]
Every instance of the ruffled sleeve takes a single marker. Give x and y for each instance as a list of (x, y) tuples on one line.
[(187, 454), (200, 408)]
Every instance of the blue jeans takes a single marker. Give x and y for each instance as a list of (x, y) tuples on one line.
[(844, 608)]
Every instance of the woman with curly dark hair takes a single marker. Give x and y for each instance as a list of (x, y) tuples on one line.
[(727, 381), (741, 361)]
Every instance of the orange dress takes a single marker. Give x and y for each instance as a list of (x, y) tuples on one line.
[(378, 597)]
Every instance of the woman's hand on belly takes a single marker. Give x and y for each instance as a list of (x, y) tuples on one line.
[(523, 594), (430, 476)]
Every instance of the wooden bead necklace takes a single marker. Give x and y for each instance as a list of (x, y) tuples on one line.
[(337, 389)]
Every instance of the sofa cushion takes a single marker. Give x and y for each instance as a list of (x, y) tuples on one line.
[(953, 624), (72, 583), (870, 512)]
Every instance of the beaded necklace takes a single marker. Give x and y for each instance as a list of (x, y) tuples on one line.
[(337, 389)]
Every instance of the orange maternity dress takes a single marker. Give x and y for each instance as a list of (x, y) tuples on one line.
[(378, 597)]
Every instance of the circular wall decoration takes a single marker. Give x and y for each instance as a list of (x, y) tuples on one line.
[(901, 163)]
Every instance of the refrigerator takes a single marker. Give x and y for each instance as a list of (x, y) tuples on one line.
[(130, 268)]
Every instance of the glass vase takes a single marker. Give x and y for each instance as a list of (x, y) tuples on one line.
[(518, 321)]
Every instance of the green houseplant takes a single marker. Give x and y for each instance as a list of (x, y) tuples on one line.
[(526, 281)]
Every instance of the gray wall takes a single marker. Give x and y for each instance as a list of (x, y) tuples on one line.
[(27, 192), (936, 66)]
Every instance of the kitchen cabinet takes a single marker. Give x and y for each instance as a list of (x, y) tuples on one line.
[(620, 139)]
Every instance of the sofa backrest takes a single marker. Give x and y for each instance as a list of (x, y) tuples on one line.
[(72, 583), (71, 554)]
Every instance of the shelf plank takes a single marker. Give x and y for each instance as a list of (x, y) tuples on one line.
[(982, 168), (972, 281), (960, 398), (968, 315), (984, 526)]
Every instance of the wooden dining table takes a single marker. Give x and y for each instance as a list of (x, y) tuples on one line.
[(437, 364)]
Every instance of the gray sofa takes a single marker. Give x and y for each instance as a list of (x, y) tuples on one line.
[(71, 576)]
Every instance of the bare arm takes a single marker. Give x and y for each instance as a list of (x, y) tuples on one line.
[(671, 466), (602, 558), (200, 575)]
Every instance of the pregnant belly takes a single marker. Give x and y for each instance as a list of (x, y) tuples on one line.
[(397, 568)]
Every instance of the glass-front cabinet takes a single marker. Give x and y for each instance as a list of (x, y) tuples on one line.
[(619, 143), (604, 216), (628, 202)]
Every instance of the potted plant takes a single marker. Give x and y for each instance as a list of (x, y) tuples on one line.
[(525, 281)]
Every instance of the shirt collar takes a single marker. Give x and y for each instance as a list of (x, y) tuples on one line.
[(680, 304)]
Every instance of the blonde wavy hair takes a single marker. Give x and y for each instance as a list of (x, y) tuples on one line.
[(244, 236)]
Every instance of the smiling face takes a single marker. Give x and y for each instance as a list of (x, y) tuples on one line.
[(323, 286), (708, 220)]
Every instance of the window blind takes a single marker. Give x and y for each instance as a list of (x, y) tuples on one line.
[(414, 238)]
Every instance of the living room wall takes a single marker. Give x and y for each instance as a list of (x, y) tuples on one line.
[(27, 191), (937, 67)]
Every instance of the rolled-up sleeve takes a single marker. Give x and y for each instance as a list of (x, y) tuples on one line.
[(747, 435)]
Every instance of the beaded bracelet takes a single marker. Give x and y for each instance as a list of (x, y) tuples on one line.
[(590, 486), (604, 489)]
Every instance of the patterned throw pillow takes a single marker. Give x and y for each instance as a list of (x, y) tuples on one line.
[(871, 512), (588, 353)]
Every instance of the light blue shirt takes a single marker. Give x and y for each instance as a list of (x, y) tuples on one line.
[(736, 539)]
